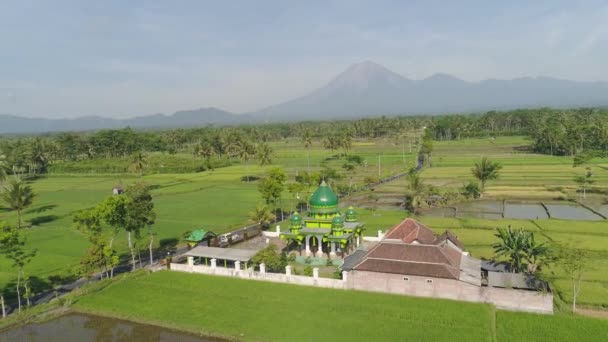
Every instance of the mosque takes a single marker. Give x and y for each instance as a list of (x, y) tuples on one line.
[(324, 229)]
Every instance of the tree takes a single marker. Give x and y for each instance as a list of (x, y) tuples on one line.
[(140, 215), (270, 257), (523, 252), (12, 245), (264, 154), (271, 187), (262, 215), (485, 170), (246, 151), (584, 180), (113, 211), (511, 246), (574, 262), (307, 141), (471, 190), (3, 168), (17, 195), (139, 163), (100, 255)]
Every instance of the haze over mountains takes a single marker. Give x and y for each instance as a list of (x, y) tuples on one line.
[(364, 89)]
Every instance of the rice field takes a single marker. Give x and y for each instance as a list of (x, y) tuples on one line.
[(259, 311)]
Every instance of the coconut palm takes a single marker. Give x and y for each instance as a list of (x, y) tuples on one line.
[(485, 170), (138, 163), (264, 154), (262, 215), (17, 195), (3, 167), (307, 140), (246, 151), (204, 149)]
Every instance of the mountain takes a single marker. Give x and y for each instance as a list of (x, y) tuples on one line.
[(364, 89), (368, 89), (186, 118)]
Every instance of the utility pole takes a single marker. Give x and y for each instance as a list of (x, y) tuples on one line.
[(3, 308)]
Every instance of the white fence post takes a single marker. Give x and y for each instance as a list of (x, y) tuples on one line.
[(345, 278), (190, 261), (237, 266), (262, 268), (288, 271), (214, 263), (380, 234), (315, 273)]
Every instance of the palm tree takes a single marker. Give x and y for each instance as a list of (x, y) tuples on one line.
[(485, 170), (138, 163), (307, 140), (246, 151), (17, 195), (204, 149), (262, 215), (264, 154), (511, 246), (3, 167)]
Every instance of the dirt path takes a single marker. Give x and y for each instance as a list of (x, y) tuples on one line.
[(597, 313)]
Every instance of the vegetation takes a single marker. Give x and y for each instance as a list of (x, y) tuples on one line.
[(270, 257), (17, 195), (484, 171), (521, 250)]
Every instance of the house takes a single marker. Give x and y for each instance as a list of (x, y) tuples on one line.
[(411, 260)]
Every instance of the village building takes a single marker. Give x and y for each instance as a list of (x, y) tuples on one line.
[(324, 229), (410, 259)]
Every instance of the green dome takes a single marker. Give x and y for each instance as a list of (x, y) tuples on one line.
[(351, 214), (337, 224), (323, 198), (337, 220), (296, 218)]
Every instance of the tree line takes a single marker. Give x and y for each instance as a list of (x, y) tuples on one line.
[(552, 131)]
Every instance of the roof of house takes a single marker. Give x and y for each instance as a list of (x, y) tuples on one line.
[(410, 230), (515, 280), (243, 255), (199, 235), (439, 261), (448, 236), (353, 259)]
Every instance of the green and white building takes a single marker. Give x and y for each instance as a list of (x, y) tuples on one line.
[(324, 229)]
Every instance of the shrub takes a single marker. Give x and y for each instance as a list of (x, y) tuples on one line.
[(308, 271), (291, 257), (329, 262), (308, 260), (471, 190)]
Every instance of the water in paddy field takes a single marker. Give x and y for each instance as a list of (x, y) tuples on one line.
[(522, 211), (481, 206), (570, 212), (80, 327), (525, 211)]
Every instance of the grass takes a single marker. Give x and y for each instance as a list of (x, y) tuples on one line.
[(529, 327), (254, 311)]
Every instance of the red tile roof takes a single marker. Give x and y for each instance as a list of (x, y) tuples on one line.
[(410, 230), (397, 253), (439, 261)]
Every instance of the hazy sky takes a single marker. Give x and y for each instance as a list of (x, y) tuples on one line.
[(125, 58)]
